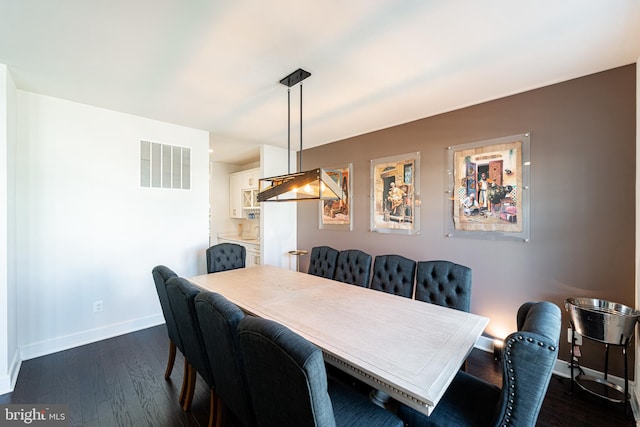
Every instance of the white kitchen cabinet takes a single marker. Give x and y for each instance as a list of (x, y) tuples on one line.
[(253, 255), (250, 178), (250, 198), (243, 192), (235, 195)]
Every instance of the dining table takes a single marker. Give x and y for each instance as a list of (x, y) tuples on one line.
[(408, 349)]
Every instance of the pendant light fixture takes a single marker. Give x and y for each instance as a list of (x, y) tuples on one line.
[(313, 184)]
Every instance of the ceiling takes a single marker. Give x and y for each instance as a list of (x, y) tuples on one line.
[(215, 65)]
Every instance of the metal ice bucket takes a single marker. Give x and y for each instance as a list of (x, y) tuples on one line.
[(600, 320)]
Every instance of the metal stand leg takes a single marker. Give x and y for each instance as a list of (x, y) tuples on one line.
[(573, 339), (626, 376), (606, 361)]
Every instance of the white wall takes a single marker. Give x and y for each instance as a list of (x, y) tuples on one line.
[(220, 220), (9, 355), (278, 220), (88, 232)]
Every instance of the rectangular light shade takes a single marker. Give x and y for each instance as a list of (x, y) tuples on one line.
[(314, 184)]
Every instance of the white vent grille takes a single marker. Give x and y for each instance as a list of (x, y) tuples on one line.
[(164, 166)]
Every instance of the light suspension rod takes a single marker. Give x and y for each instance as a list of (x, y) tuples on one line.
[(289, 130), (300, 155)]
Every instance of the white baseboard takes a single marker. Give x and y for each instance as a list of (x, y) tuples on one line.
[(8, 381), (66, 342), (485, 344)]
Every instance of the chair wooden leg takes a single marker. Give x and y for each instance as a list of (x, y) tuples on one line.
[(171, 361), (223, 418), (185, 380), (215, 410), (191, 386)]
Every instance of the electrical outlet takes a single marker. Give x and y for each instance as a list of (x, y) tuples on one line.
[(578, 337), (97, 306)]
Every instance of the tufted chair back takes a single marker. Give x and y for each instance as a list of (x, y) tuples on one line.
[(394, 274), (527, 361), (323, 261), (182, 294), (289, 384), (225, 256), (444, 283), (272, 353), (354, 267), (218, 319), (160, 276)]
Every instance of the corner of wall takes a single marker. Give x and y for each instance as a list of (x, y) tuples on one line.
[(636, 395), (8, 381)]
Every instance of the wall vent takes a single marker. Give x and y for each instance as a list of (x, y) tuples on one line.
[(164, 166)]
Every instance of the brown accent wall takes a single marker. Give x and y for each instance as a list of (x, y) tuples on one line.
[(582, 199)]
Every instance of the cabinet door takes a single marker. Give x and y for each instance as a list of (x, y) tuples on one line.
[(250, 198), (250, 178), (253, 257), (235, 196)]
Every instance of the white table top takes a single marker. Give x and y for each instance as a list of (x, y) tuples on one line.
[(409, 349)]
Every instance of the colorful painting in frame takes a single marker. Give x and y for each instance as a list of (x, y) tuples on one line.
[(395, 193), (336, 214), (488, 187)]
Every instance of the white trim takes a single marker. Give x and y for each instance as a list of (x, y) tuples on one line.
[(8, 382), (485, 344), (66, 342)]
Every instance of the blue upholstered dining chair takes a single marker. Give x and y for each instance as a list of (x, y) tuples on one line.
[(225, 256), (181, 296), (393, 274), (528, 360), (218, 319), (289, 385), (354, 267), (322, 261), (444, 283), (160, 276)]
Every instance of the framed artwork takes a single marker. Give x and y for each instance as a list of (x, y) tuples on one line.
[(487, 194), (395, 191), (336, 214)]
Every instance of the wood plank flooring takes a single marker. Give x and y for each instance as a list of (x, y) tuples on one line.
[(120, 382)]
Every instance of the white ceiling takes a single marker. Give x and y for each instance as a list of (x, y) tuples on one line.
[(215, 64)]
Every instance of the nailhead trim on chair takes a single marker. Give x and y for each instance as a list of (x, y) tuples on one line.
[(512, 379)]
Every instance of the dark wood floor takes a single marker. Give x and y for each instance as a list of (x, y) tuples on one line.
[(119, 382)]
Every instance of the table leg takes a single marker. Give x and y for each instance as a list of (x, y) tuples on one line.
[(379, 398)]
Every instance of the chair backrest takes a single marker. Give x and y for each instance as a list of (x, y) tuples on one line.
[(323, 261), (181, 296), (218, 319), (160, 276), (353, 266), (528, 360), (444, 283), (225, 256), (393, 274), (286, 374)]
